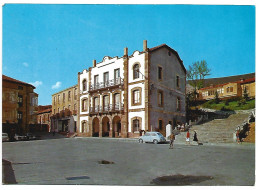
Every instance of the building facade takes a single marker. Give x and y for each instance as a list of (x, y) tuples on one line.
[(229, 90), (123, 96), (44, 118), (19, 105), (64, 110)]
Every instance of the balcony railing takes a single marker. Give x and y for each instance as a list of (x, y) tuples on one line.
[(107, 108), (106, 84)]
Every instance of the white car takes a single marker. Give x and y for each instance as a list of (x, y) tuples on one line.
[(5, 137), (154, 137)]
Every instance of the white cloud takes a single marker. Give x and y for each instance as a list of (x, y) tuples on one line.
[(57, 85), (36, 83), (25, 64)]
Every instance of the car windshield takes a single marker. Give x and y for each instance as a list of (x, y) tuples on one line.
[(160, 134)]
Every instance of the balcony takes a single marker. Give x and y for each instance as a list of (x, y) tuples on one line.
[(108, 84), (106, 109)]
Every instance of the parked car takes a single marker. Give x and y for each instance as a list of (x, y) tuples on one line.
[(20, 137), (154, 137), (30, 136), (5, 137)]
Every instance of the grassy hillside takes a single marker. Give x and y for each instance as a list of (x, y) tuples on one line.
[(230, 105)]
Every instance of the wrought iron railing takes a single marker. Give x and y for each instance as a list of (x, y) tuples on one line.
[(110, 83), (107, 108)]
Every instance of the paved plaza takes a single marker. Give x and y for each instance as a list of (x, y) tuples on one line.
[(101, 161)]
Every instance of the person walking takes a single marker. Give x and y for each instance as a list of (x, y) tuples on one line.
[(237, 135), (195, 137), (188, 137), (172, 138)]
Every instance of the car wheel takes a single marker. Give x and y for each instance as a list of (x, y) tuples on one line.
[(155, 141), (141, 141)]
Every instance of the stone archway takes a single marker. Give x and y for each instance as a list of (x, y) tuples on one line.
[(105, 126), (116, 126), (95, 125)]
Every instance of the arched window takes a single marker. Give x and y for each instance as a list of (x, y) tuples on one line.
[(136, 71), (84, 104), (136, 125), (84, 85)]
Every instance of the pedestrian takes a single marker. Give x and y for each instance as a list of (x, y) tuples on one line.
[(195, 137), (188, 137), (237, 135), (172, 138), (68, 133)]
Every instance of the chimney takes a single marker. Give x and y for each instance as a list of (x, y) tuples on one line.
[(125, 51), (145, 45), (94, 63)]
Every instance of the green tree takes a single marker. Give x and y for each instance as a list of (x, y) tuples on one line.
[(196, 74), (245, 94), (217, 100)]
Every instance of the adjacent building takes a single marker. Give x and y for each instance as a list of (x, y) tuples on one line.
[(44, 118), (64, 110), (19, 105), (229, 90), (124, 96)]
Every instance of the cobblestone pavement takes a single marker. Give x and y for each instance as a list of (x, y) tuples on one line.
[(126, 162)]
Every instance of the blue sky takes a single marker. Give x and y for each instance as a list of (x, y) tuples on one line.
[(47, 45)]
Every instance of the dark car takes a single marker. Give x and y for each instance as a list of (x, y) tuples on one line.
[(20, 137)]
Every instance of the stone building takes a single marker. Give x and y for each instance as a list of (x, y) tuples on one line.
[(64, 110), (123, 96), (19, 105), (44, 118)]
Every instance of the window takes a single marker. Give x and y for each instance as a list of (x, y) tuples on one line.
[(75, 94), (69, 95), (116, 100), (84, 104), (20, 88), (227, 89), (20, 115), (96, 104), (105, 102), (160, 124), (136, 97), (20, 100), (106, 79), (178, 104), (69, 107), (84, 85), (136, 125), (58, 110), (58, 99), (160, 73), (96, 81), (63, 97), (136, 71), (178, 81), (160, 98), (117, 76), (54, 100), (231, 89), (75, 106), (54, 112)]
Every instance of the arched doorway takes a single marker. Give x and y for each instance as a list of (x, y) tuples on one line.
[(105, 127), (116, 126), (95, 125)]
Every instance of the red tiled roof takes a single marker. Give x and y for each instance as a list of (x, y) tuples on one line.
[(44, 111), (239, 82), (246, 81), (172, 50), (6, 78)]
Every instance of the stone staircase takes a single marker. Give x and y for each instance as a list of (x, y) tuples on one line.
[(215, 131)]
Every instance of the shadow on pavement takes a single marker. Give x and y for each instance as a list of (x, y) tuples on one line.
[(8, 176)]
